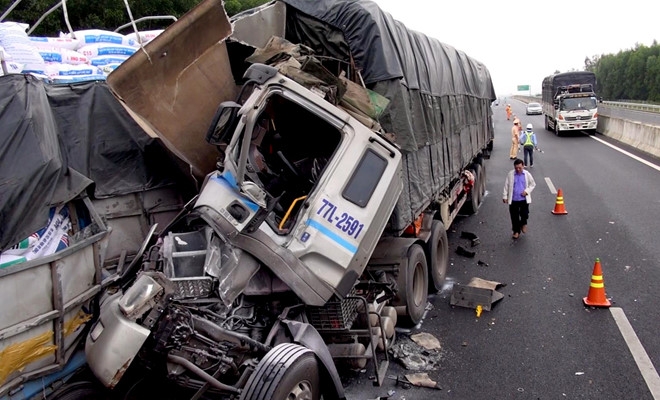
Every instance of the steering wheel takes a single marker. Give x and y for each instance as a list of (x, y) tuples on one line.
[(288, 164)]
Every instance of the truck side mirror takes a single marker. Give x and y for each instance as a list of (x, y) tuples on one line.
[(224, 123)]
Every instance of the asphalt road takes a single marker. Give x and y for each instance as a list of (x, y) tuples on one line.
[(540, 341)]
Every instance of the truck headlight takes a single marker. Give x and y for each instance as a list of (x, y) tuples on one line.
[(140, 297)]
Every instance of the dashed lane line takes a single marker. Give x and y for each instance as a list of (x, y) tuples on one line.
[(642, 359), (550, 185)]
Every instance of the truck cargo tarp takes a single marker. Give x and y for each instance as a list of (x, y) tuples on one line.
[(59, 139), (570, 78), (440, 98)]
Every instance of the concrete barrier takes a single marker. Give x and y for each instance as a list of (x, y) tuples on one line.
[(641, 136)]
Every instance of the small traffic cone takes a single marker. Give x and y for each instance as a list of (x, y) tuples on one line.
[(559, 204), (596, 296)]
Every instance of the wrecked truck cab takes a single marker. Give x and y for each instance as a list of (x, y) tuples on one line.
[(283, 230)]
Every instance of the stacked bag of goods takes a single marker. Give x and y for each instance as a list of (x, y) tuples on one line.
[(80, 56), (48, 240)]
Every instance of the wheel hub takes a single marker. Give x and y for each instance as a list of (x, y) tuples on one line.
[(302, 391)]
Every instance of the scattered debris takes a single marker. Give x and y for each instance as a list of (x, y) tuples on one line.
[(461, 251), (403, 381), (426, 340), (422, 380), (472, 237), (478, 292), (413, 356), (485, 264)]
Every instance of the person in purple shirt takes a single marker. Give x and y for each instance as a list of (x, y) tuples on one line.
[(517, 193)]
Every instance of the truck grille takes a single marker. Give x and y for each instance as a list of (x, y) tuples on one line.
[(335, 315), (578, 118), (190, 288)]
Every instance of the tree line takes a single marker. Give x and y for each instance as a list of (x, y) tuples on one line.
[(105, 14), (632, 74)]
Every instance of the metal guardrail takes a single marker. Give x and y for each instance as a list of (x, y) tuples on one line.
[(633, 106)]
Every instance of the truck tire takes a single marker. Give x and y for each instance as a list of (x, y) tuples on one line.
[(482, 179), (82, 390), (472, 203), (287, 372), (547, 124), (413, 284), (438, 256)]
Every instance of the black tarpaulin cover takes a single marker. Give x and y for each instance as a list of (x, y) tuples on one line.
[(439, 97), (570, 78), (56, 140)]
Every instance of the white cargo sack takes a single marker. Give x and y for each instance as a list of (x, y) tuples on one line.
[(106, 49), (144, 36), (100, 61), (91, 36), (50, 42), (17, 44), (62, 55), (48, 240), (57, 69)]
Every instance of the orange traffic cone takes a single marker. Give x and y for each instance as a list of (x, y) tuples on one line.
[(559, 204), (596, 296)]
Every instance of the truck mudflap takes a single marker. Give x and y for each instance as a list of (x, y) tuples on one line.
[(308, 336)]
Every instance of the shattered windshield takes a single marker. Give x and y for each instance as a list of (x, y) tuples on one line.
[(580, 103)]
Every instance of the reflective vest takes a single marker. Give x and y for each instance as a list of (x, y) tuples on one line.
[(528, 139)]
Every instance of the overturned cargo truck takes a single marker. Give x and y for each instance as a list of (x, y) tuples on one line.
[(336, 147)]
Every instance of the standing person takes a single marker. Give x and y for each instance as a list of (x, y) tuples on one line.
[(528, 140), (517, 191), (508, 112), (515, 138)]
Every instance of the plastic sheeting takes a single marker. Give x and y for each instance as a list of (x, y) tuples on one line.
[(439, 97), (59, 139)]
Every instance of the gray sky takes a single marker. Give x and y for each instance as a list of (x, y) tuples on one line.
[(521, 42)]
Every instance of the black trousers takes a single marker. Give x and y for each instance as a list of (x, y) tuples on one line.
[(519, 211), (528, 152)]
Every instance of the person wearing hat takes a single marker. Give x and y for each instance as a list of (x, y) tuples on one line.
[(528, 140), (515, 138)]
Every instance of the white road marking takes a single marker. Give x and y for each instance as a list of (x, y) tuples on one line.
[(550, 185), (642, 359), (643, 161)]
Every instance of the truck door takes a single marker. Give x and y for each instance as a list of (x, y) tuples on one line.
[(350, 206)]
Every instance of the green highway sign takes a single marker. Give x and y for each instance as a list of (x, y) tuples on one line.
[(523, 87)]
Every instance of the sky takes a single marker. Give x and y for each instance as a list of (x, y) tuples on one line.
[(521, 42)]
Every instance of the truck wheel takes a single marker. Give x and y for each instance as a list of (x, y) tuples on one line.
[(79, 391), (472, 203), (482, 179), (556, 129), (547, 124), (288, 372), (413, 284), (438, 256)]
